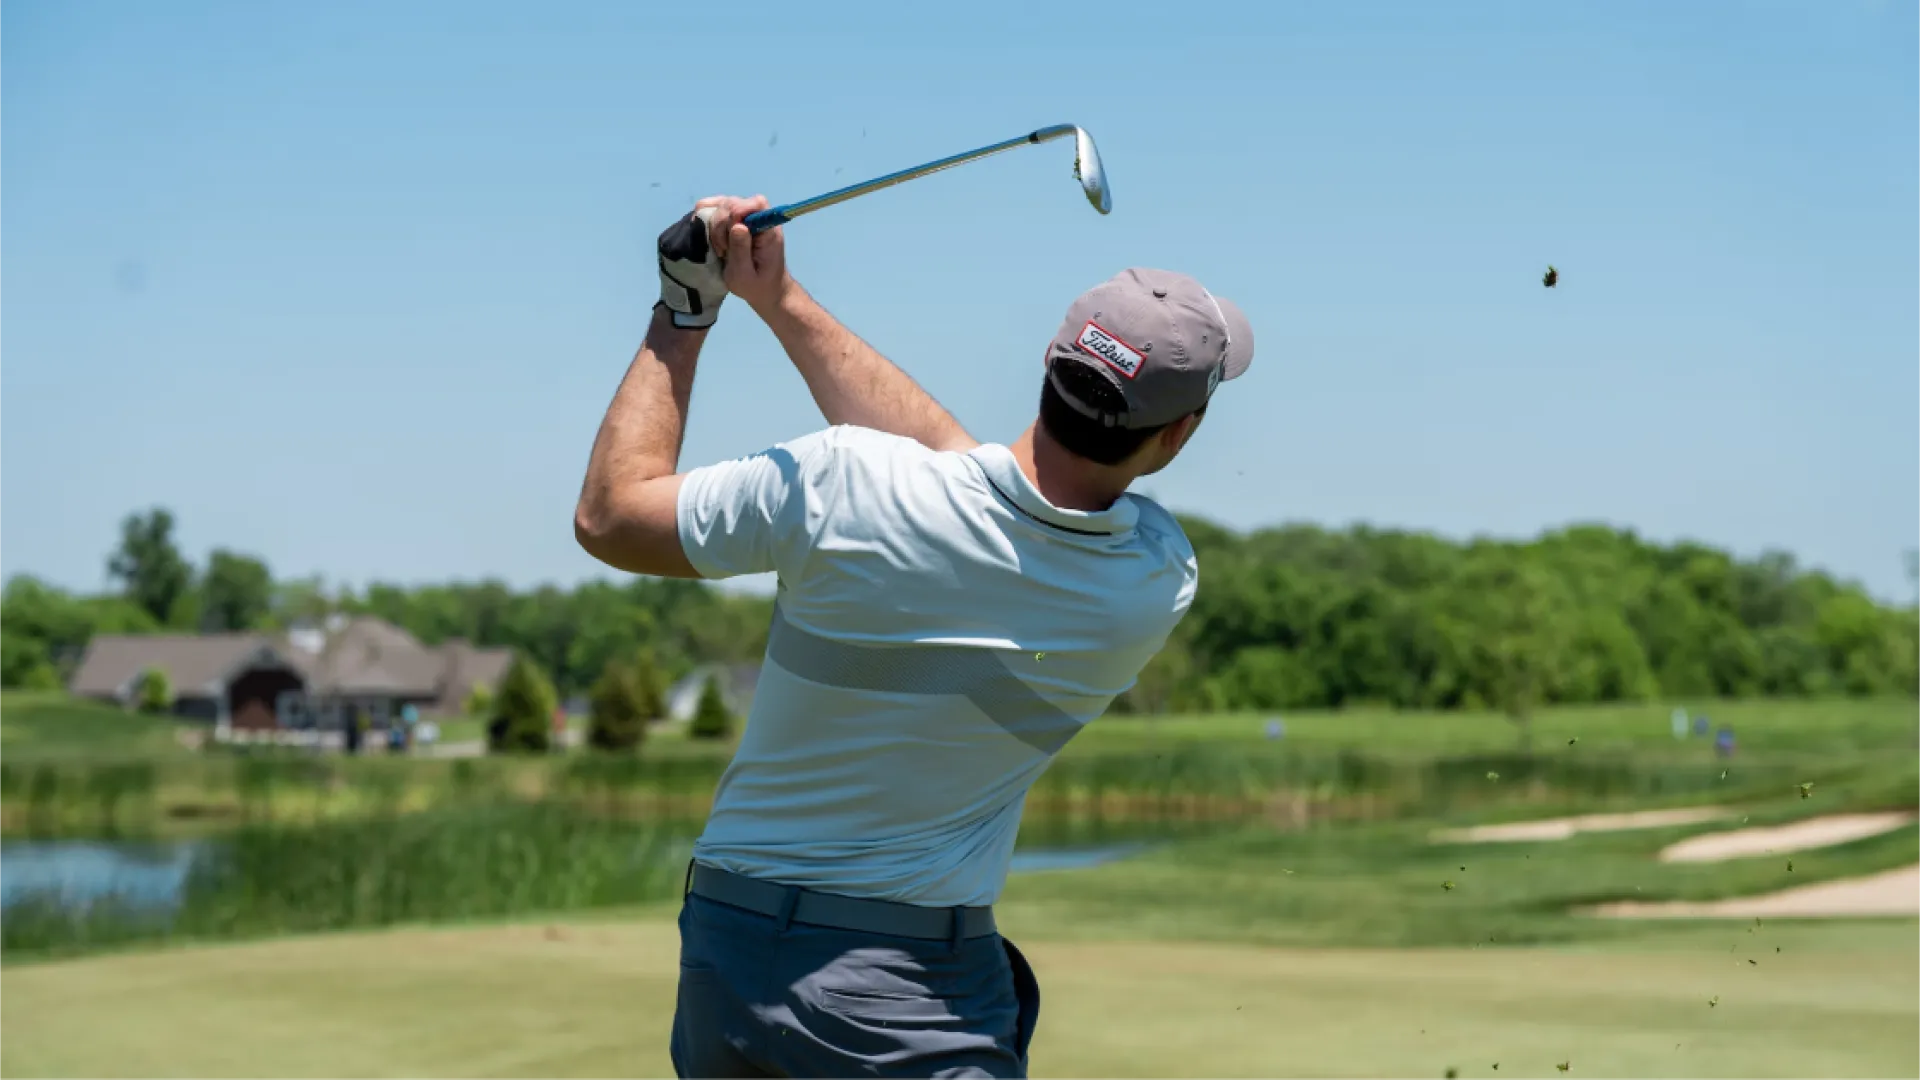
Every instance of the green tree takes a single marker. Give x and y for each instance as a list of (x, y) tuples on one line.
[(618, 721), (1162, 684), (1284, 617), (149, 566), (154, 694), (1520, 620), (301, 600), (1268, 677), (1793, 663), (44, 630), (523, 708), (1913, 615), (608, 627), (647, 687), (711, 717), (236, 592), (1604, 661), (25, 663), (1866, 646)]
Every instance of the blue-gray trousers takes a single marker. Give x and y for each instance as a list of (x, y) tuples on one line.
[(759, 1000)]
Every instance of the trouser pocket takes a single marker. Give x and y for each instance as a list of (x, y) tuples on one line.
[(1026, 989)]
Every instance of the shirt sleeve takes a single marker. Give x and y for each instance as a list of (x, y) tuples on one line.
[(749, 515)]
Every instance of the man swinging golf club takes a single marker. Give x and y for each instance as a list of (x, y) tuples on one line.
[(949, 614)]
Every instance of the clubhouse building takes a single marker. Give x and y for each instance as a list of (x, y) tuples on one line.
[(326, 677)]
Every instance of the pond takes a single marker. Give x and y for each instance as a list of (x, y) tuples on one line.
[(79, 872)]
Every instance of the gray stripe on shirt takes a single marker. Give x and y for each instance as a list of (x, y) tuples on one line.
[(978, 674)]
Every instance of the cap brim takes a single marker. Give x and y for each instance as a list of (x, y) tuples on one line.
[(1239, 340)]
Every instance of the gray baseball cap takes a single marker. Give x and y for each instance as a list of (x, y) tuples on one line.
[(1164, 342)]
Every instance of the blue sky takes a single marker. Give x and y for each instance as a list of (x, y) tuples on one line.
[(348, 285)]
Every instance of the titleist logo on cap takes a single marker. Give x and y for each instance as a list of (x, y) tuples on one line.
[(1119, 355)]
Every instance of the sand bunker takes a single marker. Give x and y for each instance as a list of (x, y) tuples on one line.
[(1894, 892), (1561, 828), (1778, 840)]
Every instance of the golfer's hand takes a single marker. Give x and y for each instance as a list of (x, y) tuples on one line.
[(692, 283), (756, 266)]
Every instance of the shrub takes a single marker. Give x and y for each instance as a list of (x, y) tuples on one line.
[(618, 721), (154, 693), (522, 710), (25, 663), (711, 718), (652, 697), (480, 700)]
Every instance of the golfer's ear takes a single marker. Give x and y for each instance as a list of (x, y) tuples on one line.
[(1174, 435)]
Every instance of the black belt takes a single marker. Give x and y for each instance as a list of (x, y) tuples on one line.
[(790, 903)]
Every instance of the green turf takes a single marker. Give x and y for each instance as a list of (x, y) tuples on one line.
[(1332, 950), (1391, 884), (40, 725), (1765, 728), (462, 729), (596, 998), (39, 722)]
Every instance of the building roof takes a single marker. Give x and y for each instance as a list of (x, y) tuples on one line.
[(196, 665), (464, 667), (366, 655), (356, 656)]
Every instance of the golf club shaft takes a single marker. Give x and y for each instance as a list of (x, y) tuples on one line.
[(762, 220)]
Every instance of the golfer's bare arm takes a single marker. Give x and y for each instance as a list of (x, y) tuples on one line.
[(852, 382), (627, 513)]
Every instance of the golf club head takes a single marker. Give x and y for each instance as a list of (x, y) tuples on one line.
[(1088, 170)]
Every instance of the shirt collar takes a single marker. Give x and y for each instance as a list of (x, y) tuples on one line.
[(1003, 472)]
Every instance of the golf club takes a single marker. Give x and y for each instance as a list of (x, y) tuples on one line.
[(1086, 169)]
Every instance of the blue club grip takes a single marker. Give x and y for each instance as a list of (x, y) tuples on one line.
[(761, 220)]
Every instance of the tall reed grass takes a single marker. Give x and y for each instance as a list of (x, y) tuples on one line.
[(473, 862), (1171, 785)]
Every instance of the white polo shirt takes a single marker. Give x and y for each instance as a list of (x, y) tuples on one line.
[(940, 632)]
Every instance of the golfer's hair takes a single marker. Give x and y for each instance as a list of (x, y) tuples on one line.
[(1084, 436)]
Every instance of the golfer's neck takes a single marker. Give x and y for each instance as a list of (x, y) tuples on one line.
[(1068, 482)]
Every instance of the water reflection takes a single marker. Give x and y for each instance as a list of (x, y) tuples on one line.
[(1040, 860), (79, 872)]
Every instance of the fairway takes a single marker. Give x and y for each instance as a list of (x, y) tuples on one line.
[(1767, 729), (595, 999)]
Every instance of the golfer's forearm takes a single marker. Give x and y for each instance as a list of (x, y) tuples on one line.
[(853, 383), (625, 516)]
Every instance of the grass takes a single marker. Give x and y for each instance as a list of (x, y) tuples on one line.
[(481, 861), (61, 756), (1386, 885), (1763, 729), (1332, 950), (1324, 883), (35, 723), (44, 725), (596, 999), (455, 729)]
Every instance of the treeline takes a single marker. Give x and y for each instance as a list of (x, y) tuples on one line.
[(1303, 617), (570, 634), (1295, 617)]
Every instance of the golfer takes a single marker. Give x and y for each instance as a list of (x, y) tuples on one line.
[(949, 614)]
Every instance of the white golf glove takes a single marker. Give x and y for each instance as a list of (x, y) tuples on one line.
[(692, 281)]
